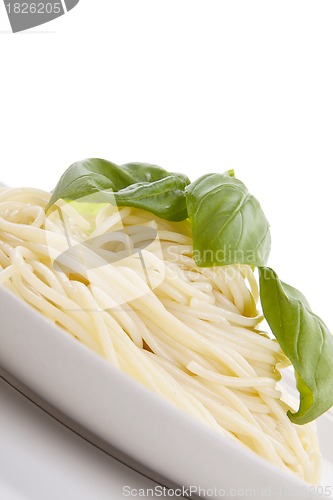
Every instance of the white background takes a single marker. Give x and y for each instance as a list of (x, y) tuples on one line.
[(194, 86)]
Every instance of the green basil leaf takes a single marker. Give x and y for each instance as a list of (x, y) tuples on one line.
[(228, 224), (306, 341), (146, 172), (139, 185)]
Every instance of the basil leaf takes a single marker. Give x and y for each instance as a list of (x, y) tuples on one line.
[(146, 172), (140, 185), (306, 341), (228, 224)]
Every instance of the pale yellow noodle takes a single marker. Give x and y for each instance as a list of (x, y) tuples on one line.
[(189, 334)]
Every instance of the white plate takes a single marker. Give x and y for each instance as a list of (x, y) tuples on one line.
[(40, 459), (119, 412)]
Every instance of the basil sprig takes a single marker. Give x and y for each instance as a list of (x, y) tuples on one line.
[(139, 185), (228, 227)]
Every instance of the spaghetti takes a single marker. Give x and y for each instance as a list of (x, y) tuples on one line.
[(189, 334)]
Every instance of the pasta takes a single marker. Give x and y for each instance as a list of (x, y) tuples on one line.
[(124, 283)]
